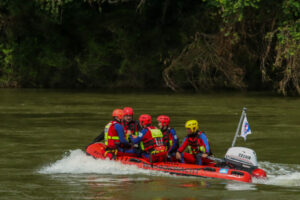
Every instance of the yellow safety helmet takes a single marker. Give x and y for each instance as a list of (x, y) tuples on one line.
[(192, 124)]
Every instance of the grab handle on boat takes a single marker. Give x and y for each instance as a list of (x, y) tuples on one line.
[(219, 160)]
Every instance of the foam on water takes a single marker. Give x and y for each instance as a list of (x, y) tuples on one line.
[(280, 174), (77, 162)]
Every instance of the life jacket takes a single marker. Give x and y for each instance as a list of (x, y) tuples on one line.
[(110, 135), (132, 126), (152, 139), (196, 145), (167, 138)]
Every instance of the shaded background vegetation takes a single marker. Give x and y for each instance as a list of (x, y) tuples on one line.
[(182, 44)]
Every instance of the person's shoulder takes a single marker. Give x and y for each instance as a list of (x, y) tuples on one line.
[(110, 122), (172, 130), (142, 133), (118, 125), (144, 130), (202, 134)]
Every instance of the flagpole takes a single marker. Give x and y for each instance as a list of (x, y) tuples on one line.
[(239, 126)]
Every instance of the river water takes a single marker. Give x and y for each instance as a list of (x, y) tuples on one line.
[(44, 133)]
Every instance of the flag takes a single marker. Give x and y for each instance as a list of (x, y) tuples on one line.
[(245, 130)]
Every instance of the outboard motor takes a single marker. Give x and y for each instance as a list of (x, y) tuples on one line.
[(242, 158)]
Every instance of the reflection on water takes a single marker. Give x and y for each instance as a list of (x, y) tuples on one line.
[(240, 186), (108, 187), (114, 180), (195, 184)]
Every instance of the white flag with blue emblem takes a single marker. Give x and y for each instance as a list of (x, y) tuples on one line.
[(245, 130)]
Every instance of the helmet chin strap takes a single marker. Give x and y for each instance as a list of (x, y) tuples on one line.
[(117, 119), (164, 128)]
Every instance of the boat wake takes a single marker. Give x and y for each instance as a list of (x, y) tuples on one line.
[(280, 174), (77, 162)]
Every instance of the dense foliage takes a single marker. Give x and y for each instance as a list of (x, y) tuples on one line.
[(183, 44)]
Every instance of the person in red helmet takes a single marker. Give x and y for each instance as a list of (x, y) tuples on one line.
[(129, 124), (114, 135), (170, 138), (150, 140)]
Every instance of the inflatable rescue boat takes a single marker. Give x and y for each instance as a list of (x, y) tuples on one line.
[(239, 164)]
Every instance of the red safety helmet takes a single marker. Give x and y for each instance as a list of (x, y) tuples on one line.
[(145, 119), (164, 120), (128, 111), (118, 113)]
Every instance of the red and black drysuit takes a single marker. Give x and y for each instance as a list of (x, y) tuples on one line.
[(197, 143)]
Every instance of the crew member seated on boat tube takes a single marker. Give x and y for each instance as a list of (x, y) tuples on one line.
[(170, 138), (197, 144), (150, 140), (114, 137), (129, 123)]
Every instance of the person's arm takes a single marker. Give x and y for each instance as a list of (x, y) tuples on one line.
[(205, 143), (120, 130), (181, 148), (138, 125), (138, 139), (174, 142), (183, 145)]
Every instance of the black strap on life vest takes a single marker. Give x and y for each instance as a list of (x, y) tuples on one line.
[(166, 137), (133, 126), (148, 145)]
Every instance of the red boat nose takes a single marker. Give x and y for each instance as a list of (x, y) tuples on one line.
[(259, 173)]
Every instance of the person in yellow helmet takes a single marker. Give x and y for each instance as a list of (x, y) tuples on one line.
[(197, 144)]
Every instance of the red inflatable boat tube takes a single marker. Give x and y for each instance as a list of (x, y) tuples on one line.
[(97, 150)]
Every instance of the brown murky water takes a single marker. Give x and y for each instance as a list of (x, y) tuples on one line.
[(44, 132)]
